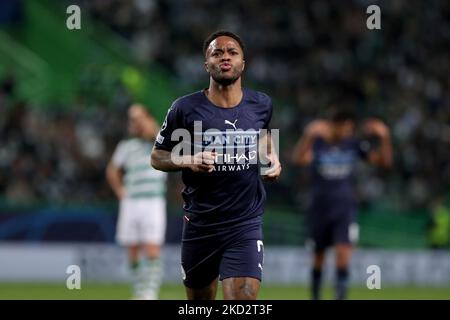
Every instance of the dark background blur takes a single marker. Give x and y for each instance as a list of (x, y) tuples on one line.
[(64, 94)]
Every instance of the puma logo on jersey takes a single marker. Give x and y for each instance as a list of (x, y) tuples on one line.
[(232, 123)]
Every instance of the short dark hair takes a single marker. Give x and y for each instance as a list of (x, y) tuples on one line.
[(222, 33), (340, 116)]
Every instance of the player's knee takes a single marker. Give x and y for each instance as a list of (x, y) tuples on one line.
[(247, 292), (343, 255), (153, 251), (208, 293), (240, 289), (319, 258)]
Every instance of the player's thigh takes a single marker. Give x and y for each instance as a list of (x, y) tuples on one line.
[(241, 269), (345, 237), (152, 221), (345, 230), (200, 262), (127, 228), (320, 233)]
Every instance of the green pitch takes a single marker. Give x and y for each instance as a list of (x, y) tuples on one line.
[(88, 291)]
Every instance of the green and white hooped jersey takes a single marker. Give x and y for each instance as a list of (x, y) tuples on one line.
[(141, 180)]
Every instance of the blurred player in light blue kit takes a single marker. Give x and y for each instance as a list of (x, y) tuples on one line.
[(141, 191), (332, 150)]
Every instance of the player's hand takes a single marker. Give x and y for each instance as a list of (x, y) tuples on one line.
[(318, 129), (376, 127), (274, 171), (203, 161)]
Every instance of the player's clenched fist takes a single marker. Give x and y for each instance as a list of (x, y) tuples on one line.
[(275, 169), (203, 161)]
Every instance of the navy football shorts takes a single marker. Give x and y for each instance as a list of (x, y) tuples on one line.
[(331, 227), (237, 252)]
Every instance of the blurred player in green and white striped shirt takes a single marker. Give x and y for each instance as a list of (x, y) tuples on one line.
[(141, 191)]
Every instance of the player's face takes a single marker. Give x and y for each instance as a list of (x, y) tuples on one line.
[(135, 122), (344, 130), (224, 60)]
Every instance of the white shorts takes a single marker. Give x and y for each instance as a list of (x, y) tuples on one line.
[(141, 221)]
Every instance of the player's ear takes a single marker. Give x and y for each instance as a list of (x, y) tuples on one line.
[(243, 65), (206, 66)]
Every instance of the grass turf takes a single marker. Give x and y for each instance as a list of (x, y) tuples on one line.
[(103, 291)]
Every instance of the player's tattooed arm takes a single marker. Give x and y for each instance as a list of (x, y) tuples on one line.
[(168, 161), (303, 150), (383, 155)]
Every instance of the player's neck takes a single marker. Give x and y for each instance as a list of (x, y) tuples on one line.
[(225, 96)]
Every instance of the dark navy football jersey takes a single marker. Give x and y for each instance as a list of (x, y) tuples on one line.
[(332, 169), (233, 193)]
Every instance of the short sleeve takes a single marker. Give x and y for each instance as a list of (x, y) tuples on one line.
[(119, 155), (172, 122), (269, 117), (269, 113), (265, 113)]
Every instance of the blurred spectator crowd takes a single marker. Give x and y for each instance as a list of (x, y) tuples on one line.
[(307, 55), (57, 156)]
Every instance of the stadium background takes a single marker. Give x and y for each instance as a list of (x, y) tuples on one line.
[(63, 100)]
